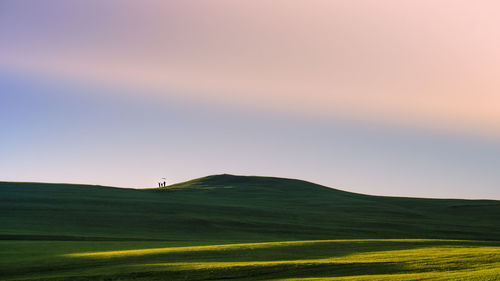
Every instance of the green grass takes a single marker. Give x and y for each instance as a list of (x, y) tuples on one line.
[(248, 228), (336, 259)]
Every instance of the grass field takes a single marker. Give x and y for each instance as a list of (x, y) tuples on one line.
[(245, 228)]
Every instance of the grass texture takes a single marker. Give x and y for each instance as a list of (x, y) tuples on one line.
[(228, 227)]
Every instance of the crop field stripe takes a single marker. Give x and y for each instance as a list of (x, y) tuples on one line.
[(241, 246), (490, 274)]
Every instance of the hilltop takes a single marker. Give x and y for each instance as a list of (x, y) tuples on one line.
[(228, 207)]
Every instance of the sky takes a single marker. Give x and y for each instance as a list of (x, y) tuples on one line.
[(380, 97)]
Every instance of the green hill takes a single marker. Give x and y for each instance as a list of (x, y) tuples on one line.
[(237, 227), (234, 208)]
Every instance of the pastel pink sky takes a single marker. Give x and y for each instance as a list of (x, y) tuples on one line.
[(380, 97), (430, 64)]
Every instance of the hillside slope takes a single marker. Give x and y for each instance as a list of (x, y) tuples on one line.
[(234, 208)]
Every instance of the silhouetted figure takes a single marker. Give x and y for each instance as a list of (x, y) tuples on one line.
[(164, 183), (159, 184)]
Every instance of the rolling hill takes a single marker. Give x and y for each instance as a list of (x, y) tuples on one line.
[(239, 227), (234, 207)]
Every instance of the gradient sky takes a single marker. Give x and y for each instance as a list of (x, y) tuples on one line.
[(379, 97)]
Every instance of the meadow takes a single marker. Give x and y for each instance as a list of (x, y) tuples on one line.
[(244, 228)]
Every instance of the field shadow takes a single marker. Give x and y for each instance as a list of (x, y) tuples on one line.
[(244, 272)]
